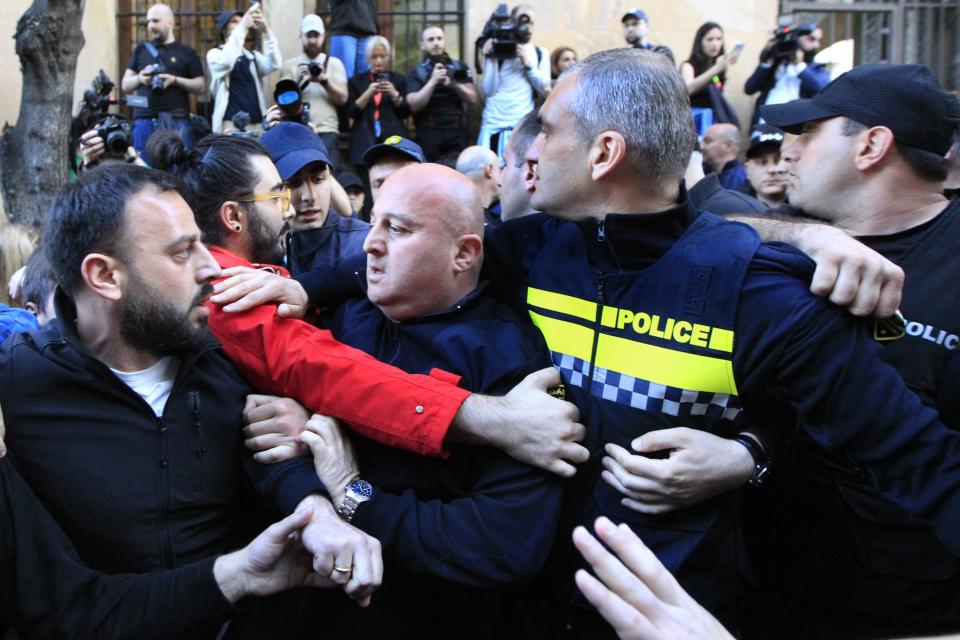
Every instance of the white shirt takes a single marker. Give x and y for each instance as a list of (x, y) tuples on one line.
[(787, 85), (153, 384)]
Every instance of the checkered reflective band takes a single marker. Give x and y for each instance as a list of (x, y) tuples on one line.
[(649, 396)]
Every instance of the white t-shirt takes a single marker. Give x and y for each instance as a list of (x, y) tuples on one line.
[(153, 384), (787, 85)]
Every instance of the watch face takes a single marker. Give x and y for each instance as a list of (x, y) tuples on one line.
[(362, 488)]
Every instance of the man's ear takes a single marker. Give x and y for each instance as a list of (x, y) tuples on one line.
[(232, 217), (608, 152), (873, 145), (469, 250), (105, 275), (488, 171)]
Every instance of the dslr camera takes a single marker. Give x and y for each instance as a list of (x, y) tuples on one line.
[(787, 41), (505, 35), (315, 69), (156, 84), (456, 72), (115, 130)]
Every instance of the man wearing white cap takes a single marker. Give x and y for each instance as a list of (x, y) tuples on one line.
[(323, 81)]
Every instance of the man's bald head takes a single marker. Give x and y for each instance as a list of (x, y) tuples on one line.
[(444, 194), (160, 22), (721, 144), (424, 250)]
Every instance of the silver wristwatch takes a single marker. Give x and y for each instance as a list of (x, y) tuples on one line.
[(357, 492)]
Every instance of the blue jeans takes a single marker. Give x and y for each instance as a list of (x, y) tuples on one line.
[(143, 128), (702, 119), (351, 51)]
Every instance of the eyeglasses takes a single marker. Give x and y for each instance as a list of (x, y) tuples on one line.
[(284, 196)]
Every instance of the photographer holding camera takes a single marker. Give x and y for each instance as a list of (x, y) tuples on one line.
[(164, 73), (438, 90), (516, 74), (323, 82), (787, 71), (236, 68)]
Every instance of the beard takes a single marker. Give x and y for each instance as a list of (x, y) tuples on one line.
[(265, 247), (152, 325)]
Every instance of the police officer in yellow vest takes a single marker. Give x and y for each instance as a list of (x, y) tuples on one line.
[(659, 316)]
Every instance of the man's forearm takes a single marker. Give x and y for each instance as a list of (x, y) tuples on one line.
[(130, 82), (192, 85), (775, 228), (418, 100)]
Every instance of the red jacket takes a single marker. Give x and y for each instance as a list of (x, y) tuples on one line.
[(293, 358)]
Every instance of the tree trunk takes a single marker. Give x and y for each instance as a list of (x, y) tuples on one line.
[(33, 158)]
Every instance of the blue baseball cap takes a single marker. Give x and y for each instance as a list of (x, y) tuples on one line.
[(292, 146), (905, 98), (393, 144), (639, 14)]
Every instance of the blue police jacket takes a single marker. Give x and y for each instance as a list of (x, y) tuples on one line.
[(669, 319)]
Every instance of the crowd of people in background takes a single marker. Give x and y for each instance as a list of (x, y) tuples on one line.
[(613, 365)]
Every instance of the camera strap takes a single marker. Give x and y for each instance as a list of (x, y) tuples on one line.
[(152, 49)]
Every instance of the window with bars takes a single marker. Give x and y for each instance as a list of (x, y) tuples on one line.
[(402, 21), (902, 31)]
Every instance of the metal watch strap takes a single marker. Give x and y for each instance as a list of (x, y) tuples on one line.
[(348, 508)]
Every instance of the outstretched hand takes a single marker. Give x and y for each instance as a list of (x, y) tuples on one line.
[(635, 593)]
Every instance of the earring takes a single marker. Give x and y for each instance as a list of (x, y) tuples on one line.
[(236, 227)]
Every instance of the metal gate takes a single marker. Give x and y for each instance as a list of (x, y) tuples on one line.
[(901, 31)]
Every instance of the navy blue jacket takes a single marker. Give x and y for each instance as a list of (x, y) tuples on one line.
[(456, 533), (322, 247), (789, 343)]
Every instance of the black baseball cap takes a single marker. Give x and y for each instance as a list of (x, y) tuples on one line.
[(763, 136), (292, 146), (393, 144), (348, 179), (905, 98)]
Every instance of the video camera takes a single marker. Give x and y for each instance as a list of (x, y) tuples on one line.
[(457, 72), (115, 130), (290, 100), (787, 40), (506, 35)]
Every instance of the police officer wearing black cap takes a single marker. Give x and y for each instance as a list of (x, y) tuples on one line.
[(870, 159), (766, 170)]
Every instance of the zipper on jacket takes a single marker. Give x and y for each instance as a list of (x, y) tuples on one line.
[(601, 281), (601, 231), (197, 425), (166, 545)]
